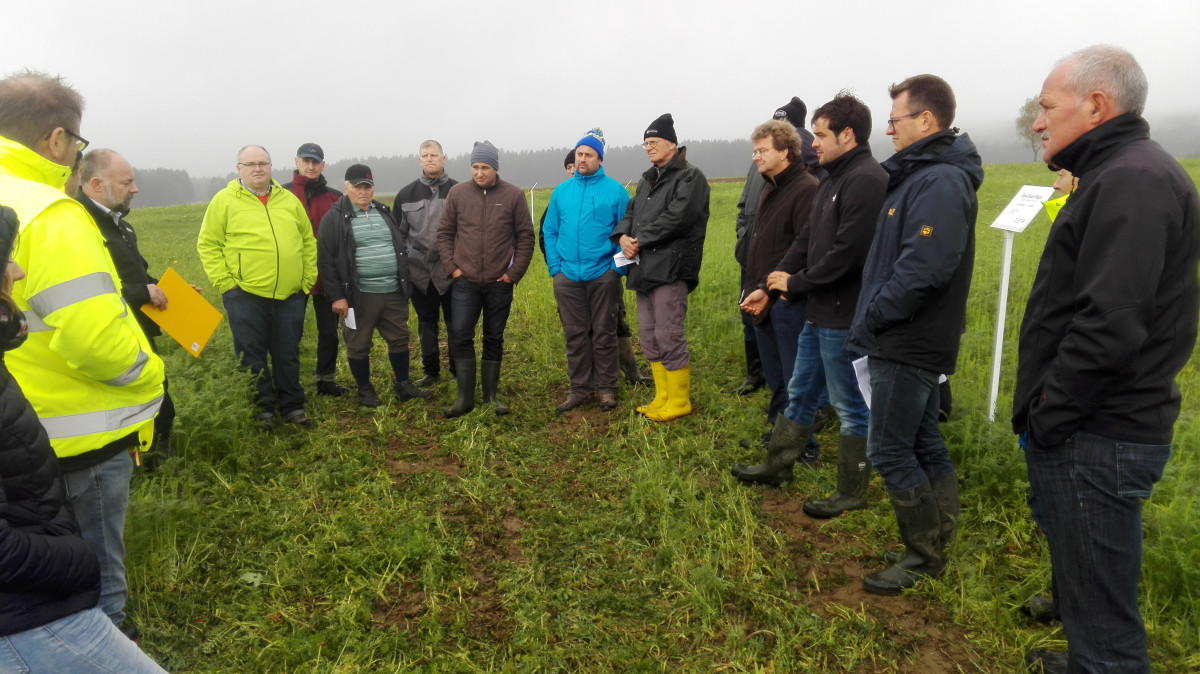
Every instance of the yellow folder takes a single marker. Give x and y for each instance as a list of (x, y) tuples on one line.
[(188, 318)]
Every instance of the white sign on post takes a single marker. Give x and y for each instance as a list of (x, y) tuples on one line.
[(1013, 220)]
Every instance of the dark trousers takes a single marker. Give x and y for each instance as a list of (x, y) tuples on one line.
[(265, 327), (904, 442), (588, 314), (469, 300), (1086, 496), (327, 337), (623, 330), (426, 302), (778, 338)]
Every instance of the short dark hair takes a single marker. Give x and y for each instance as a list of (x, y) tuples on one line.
[(783, 137), (34, 104), (928, 92), (846, 111)]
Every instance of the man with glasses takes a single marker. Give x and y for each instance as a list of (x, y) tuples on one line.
[(257, 247), (663, 234), (419, 207), (910, 314), (87, 367), (315, 194)]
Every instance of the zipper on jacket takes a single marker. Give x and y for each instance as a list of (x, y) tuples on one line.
[(275, 238)]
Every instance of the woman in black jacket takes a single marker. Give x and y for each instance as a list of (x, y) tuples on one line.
[(49, 576)]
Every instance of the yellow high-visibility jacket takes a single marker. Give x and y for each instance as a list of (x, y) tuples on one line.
[(86, 367), (267, 250)]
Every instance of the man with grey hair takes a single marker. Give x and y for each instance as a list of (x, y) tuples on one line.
[(106, 190), (87, 368), (1110, 322), (419, 208), (257, 247)]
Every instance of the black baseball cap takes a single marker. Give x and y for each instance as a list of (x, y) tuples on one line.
[(310, 151), (358, 174)]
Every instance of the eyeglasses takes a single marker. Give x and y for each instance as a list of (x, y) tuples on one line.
[(758, 152), (892, 120), (650, 144), (255, 164), (82, 142)]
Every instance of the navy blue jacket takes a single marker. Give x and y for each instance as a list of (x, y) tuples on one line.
[(912, 308), (1111, 318)]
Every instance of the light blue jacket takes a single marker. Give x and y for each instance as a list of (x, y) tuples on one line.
[(579, 221)]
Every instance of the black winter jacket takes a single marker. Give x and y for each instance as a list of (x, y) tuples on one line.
[(1112, 316), (668, 215), (781, 219), (747, 204), (826, 262), (132, 268), (47, 571), (912, 308), (336, 247)]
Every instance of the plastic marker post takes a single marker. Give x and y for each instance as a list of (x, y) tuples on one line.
[(1013, 220)]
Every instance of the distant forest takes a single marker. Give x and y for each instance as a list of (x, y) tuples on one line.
[(717, 158)]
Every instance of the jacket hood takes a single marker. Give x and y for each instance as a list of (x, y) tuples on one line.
[(1095, 146), (944, 147), (22, 161)]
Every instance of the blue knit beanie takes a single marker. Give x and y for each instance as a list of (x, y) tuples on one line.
[(485, 152), (595, 140)]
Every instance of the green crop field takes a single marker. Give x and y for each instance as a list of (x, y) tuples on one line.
[(396, 540)]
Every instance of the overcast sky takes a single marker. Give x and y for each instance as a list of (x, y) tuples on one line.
[(183, 85)]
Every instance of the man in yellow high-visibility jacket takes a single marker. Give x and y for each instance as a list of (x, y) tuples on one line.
[(87, 367)]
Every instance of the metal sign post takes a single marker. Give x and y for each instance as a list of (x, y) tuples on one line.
[(1012, 220)]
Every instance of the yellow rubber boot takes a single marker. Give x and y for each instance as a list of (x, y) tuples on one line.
[(660, 390), (679, 396)]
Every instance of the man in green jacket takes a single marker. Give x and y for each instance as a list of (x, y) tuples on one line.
[(258, 250)]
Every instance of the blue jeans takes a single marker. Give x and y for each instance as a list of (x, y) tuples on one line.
[(81, 643), (100, 495), (904, 443), (264, 327), (823, 363), (1086, 496), (469, 299), (777, 338)]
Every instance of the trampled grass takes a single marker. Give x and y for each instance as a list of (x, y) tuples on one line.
[(396, 540)]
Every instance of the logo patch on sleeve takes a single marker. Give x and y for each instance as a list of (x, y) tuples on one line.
[(926, 231), (891, 212)]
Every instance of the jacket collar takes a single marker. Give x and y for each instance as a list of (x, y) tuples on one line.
[(679, 161), (788, 174), (1097, 145), (592, 178), (430, 182), (838, 165), (23, 162)]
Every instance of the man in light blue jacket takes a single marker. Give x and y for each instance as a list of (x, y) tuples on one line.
[(587, 282)]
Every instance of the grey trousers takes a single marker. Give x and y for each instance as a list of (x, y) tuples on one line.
[(660, 324), (387, 312), (588, 312)]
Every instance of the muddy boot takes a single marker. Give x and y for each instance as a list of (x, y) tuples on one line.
[(491, 382), (629, 363), (854, 473), (787, 444), (754, 372), (464, 374), (920, 530)]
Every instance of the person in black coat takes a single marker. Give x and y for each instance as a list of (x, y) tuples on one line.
[(106, 190), (49, 575)]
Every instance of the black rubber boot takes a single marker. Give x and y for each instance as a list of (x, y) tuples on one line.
[(431, 364), (854, 473), (464, 374), (786, 446), (629, 363), (491, 382), (754, 372), (945, 492), (920, 529)]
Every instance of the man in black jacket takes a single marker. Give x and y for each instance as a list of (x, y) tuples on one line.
[(1110, 322), (825, 264), (910, 315), (106, 190), (419, 205), (664, 229), (362, 255)]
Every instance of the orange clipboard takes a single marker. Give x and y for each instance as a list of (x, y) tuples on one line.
[(189, 319)]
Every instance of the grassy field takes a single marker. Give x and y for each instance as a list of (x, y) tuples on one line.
[(396, 540)]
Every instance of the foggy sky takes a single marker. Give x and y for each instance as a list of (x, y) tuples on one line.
[(183, 85)]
